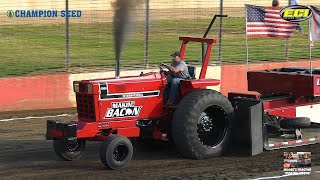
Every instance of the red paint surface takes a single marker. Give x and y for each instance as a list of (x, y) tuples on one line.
[(186, 40), (283, 83), (34, 92), (234, 77)]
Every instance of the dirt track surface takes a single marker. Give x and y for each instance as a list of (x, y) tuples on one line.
[(25, 154)]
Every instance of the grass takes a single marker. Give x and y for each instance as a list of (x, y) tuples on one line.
[(30, 48)]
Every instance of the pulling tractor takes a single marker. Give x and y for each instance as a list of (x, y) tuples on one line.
[(202, 124)]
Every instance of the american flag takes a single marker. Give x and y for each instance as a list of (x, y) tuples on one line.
[(266, 22)]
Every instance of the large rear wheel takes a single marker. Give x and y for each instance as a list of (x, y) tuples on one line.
[(202, 124)]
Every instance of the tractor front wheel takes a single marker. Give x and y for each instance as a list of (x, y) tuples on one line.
[(202, 124), (67, 151), (116, 152)]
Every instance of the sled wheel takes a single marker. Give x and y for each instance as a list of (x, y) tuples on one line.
[(295, 123)]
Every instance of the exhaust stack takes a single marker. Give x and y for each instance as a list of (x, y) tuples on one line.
[(121, 25)]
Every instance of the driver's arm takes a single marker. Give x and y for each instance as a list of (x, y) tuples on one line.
[(174, 69)]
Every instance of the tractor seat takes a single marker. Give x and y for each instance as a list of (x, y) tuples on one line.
[(192, 72)]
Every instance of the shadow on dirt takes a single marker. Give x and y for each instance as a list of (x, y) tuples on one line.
[(42, 150), (36, 158)]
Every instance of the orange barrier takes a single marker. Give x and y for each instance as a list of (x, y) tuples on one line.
[(34, 92)]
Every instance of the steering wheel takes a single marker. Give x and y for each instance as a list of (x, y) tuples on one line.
[(166, 66), (166, 73), (163, 71)]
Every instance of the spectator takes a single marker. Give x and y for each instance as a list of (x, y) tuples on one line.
[(275, 3), (294, 2)]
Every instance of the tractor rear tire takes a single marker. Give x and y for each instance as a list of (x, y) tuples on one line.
[(69, 152), (202, 124), (295, 123), (116, 152)]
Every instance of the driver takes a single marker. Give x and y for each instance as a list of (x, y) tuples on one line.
[(180, 72)]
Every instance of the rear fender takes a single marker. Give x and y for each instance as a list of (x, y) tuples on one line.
[(186, 86)]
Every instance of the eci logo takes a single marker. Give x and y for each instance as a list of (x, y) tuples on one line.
[(44, 13), (296, 13)]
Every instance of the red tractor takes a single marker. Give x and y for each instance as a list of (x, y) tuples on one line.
[(114, 110)]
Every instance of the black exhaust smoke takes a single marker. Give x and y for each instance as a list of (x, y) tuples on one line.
[(122, 23)]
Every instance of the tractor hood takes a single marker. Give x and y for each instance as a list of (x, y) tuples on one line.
[(147, 76), (125, 86)]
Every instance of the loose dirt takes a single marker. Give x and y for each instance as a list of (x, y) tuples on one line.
[(25, 154)]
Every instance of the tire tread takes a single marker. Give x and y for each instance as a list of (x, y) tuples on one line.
[(183, 134)]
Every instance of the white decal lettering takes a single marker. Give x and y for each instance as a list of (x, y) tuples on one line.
[(116, 113), (122, 112), (109, 112), (123, 109)]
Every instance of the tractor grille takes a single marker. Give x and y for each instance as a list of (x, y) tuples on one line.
[(85, 106), (82, 87)]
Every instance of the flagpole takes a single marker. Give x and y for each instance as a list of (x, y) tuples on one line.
[(286, 46), (247, 48), (286, 49), (310, 47)]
